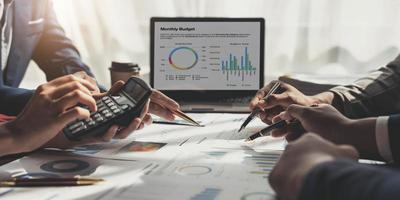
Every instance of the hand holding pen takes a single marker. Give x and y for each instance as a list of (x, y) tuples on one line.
[(289, 123), (279, 101), (274, 89), (167, 108)]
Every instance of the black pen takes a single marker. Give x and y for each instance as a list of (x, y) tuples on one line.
[(255, 112), (295, 125)]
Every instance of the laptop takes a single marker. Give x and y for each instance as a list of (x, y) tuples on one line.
[(208, 64)]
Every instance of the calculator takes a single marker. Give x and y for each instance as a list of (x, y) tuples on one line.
[(116, 109)]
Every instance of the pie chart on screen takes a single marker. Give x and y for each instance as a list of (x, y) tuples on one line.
[(183, 58)]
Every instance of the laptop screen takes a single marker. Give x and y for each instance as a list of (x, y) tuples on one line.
[(207, 54)]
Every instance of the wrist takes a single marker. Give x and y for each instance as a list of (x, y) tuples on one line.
[(365, 129), (322, 98), (17, 136)]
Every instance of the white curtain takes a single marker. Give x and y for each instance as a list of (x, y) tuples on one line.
[(324, 37)]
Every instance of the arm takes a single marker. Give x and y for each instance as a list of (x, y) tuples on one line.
[(55, 54), (13, 100), (343, 179), (374, 95)]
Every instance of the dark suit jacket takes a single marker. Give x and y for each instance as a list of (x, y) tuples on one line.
[(377, 94), (37, 36), (343, 180)]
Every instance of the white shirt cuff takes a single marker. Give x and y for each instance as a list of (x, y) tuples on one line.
[(382, 138)]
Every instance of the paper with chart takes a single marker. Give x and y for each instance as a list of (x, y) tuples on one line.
[(211, 162)]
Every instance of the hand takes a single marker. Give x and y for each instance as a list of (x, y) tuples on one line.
[(114, 132), (277, 103), (299, 158), (323, 119), (162, 105), (50, 109), (329, 123), (94, 87)]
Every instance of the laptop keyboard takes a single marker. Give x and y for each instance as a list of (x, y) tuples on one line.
[(238, 100)]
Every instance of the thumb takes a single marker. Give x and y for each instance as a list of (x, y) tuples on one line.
[(116, 87), (349, 151)]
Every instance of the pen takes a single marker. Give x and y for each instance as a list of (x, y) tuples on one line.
[(294, 124), (174, 123), (182, 115), (48, 182), (257, 110)]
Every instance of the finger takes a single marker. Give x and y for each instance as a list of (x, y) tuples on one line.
[(161, 99), (279, 132), (109, 135), (134, 125), (296, 110), (271, 113), (161, 112), (145, 110), (264, 117), (283, 116), (260, 95), (349, 151), (141, 126), (277, 118), (116, 87), (282, 100), (68, 87), (257, 98), (73, 98), (72, 78), (147, 120), (73, 114), (85, 76), (292, 136)]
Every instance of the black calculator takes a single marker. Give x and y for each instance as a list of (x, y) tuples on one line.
[(116, 109)]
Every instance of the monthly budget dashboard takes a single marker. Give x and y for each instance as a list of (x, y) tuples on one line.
[(204, 54)]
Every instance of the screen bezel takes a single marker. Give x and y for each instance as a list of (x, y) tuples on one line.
[(191, 95)]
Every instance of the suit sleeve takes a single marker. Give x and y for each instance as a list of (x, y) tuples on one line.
[(13, 100), (345, 179), (374, 95), (394, 136), (55, 54)]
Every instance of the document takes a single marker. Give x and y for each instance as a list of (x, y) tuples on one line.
[(162, 162)]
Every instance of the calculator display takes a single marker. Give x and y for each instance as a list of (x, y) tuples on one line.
[(135, 90)]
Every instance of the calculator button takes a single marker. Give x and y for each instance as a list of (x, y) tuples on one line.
[(96, 115), (105, 112), (116, 111), (111, 104), (107, 101), (76, 125), (99, 119), (91, 123), (108, 115), (124, 107), (105, 98), (113, 107), (101, 108), (79, 129)]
